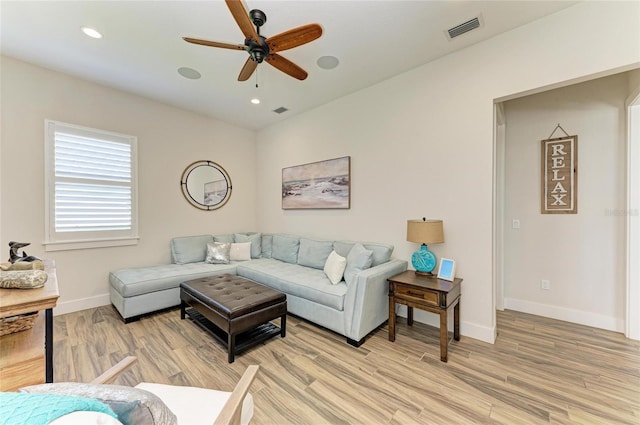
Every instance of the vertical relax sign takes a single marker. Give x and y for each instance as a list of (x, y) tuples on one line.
[(560, 175)]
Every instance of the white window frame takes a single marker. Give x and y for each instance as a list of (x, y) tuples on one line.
[(60, 241)]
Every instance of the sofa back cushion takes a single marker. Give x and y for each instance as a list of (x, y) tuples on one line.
[(189, 249), (381, 252), (267, 244), (254, 238), (285, 248), (314, 253), (359, 259), (227, 238)]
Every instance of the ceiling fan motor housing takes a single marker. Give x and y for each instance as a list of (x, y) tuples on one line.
[(257, 51)]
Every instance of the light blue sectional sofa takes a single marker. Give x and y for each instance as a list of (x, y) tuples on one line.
[(288, 263)]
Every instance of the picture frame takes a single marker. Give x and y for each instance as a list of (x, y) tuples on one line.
[(317, 185), (559, 175), (447, 269)]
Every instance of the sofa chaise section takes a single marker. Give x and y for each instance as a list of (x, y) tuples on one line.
[(142, 290)]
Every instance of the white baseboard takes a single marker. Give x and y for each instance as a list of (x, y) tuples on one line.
[(475, 331), (81, 304), (580, 317), (467, 329)]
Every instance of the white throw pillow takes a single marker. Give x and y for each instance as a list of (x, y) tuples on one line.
[(334, 267), (240, 251)]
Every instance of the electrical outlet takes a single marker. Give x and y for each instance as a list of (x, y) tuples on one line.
[(545, 284), (515, 224)]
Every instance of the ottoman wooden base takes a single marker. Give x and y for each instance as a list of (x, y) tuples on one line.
[(235, 310)]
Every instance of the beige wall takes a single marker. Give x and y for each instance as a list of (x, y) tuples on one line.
[(168, 140), (582, 255), (421, 145), (422, 142)]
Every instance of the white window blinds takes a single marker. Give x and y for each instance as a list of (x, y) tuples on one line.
[(91, 186)]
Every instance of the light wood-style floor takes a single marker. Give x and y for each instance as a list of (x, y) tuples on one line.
[(538, 371)]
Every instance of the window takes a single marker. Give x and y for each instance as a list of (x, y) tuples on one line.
[(91, 188)]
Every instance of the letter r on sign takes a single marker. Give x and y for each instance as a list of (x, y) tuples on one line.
[(558, 150)]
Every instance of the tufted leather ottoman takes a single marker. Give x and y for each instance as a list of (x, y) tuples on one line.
[(235, 310)]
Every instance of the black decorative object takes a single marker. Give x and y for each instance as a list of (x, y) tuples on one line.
[(14, 257)]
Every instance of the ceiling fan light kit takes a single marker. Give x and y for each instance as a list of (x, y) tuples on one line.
[(261, 48)]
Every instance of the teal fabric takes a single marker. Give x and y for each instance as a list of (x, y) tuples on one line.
[(285, 248), (189, 249), (381, 252), (359, 259), (342, 248), (293, 279), (144, 280), (314, 253), (224, 238), (37, 409), (254, 238), (267, 243), (133, 406)]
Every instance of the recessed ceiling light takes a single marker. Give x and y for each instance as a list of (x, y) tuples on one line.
[(255, 101), (328, 62), (91, 32), (189, 73)]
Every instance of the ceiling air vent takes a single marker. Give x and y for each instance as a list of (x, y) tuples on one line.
[(280, 110), (464, 27)]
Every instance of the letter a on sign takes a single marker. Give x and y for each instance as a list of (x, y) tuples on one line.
[(560, 175)]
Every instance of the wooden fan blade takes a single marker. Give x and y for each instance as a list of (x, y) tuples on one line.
[(294, 37), (240, 14), (286, 66), (247, 70), (215, 43)]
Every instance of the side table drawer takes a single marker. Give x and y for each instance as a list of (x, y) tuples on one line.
[(423, 296)]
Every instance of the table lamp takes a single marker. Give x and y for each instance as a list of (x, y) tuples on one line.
[(424, 232)]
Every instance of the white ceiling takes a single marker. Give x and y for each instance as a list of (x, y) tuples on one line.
[(142, 46)]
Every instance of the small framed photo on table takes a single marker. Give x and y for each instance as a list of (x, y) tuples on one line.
[(447, 269)]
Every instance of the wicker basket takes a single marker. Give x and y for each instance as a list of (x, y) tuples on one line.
[(21, 322)]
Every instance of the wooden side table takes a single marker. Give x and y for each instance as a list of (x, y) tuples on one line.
[(26, 357), (429, 294)]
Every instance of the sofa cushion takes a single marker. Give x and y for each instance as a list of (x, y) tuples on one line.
[(314, 253), (334, 267), (254, 238), (240, 251), (189, 249), (218, 253), (228, 238), (359, 259), (267, 243), (143, 280), (285, 248), (381, 252), (296, 280)]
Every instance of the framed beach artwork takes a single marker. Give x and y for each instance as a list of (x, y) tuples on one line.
[(318, 185)]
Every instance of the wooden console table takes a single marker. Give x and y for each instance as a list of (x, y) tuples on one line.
[(26, 357), (426, 293)]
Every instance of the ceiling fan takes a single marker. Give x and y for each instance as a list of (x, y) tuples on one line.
[(261, 48)]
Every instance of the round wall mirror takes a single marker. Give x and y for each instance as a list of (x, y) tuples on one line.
[(206, 185)]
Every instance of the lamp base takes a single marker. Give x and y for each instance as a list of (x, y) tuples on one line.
[(425, 274), (423, 260)]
